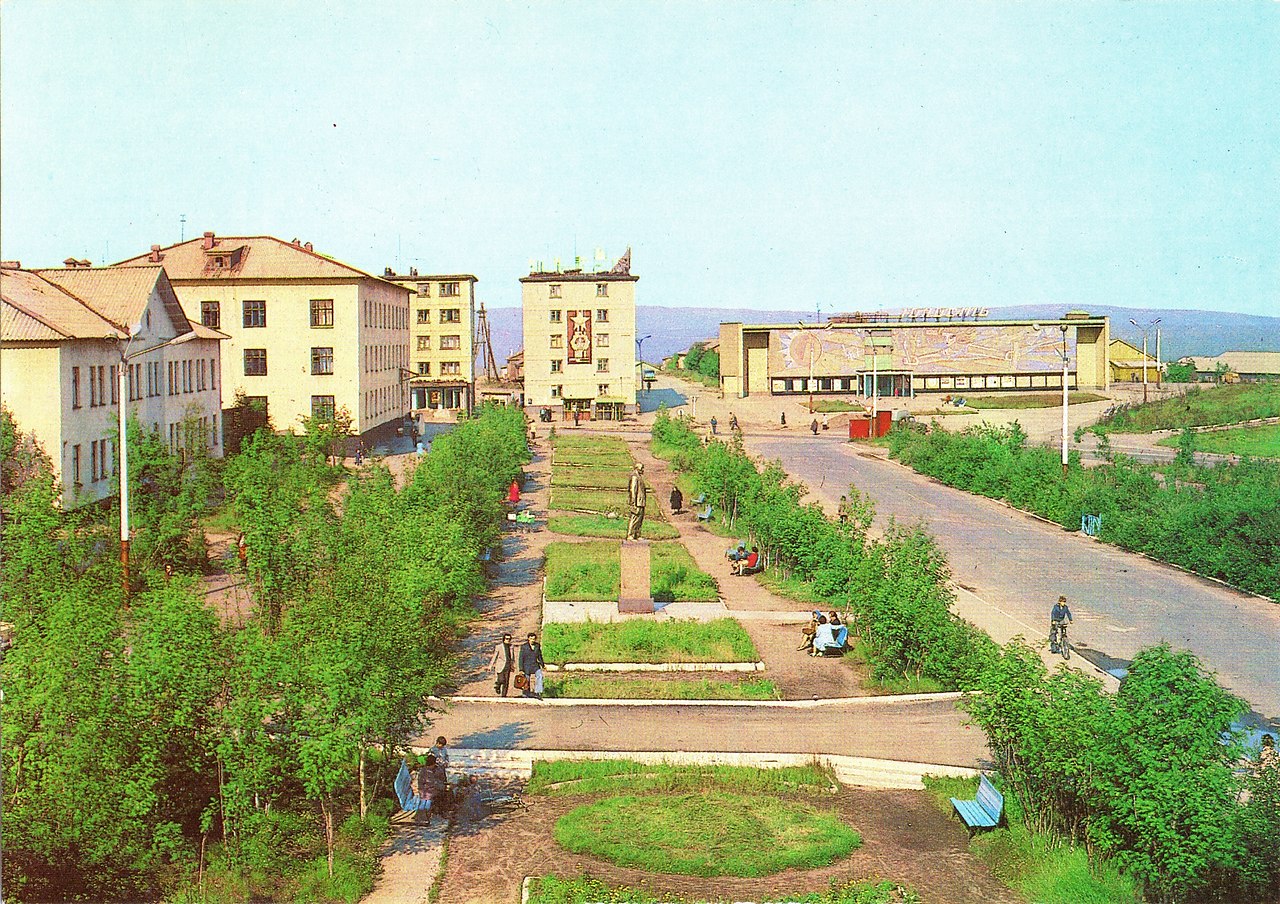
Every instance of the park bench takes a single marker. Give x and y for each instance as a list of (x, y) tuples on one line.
[(701, 500), (706, 516), (985, 810), (842, 642), (409, 802)]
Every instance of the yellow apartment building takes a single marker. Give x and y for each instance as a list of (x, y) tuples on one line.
[(580, 340), (442, 354), (62, 335), (307, 335)]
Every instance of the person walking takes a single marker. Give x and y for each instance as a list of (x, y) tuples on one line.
[(714, 425), (814, 426), (531, 665), (677, 501), (502, 662), (733, 422), (783, 419)]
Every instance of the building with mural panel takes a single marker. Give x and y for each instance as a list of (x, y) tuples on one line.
[(580, 340), (915, 352)]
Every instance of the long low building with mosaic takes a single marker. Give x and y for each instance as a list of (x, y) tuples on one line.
[(914, 352)]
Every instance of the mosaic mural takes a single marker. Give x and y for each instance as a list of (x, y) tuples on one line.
[(944, 348)]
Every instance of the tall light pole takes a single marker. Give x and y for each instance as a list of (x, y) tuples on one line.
[(121, 389), (1065, 388), (1145, 330), (873, 336), (640, 357)]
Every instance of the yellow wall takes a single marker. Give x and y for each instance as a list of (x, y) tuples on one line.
[(425, 295), (579, 381), (731, 360)]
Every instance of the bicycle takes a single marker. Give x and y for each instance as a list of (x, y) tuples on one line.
[(1058, 642)]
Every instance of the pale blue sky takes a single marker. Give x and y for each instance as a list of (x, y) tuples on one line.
[(761, 155)]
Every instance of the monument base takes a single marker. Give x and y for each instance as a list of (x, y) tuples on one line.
[(636, 596)]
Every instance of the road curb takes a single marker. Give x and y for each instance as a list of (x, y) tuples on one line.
[(761, 704)]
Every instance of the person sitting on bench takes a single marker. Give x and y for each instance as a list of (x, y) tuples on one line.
[(825, 638), (737, 553), (433, 783), (751, 564), (809, 632)]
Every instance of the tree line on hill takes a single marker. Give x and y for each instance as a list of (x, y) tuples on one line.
[(152, 749), (1152, 778)]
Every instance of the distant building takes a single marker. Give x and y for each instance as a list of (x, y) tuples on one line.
[(63, 335), (921, 351), (579, 340), (1126, 363), (442, 330), (513, 370), (1251, 367), (308, 334)]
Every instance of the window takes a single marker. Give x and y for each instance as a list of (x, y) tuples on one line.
[(255, 362), (93, 386), (321, 360), (602, 340), (449, 290), (555, 291), (450, 315), (424, 289), (555, 316), (321, 313), (602, 365), (424, 368), (211, 314), (75, 465), (322, 408), (424, 343), (557, 341), (557, 366), (114, 379), (75, 389), (602, 290), (255, 313), (213, 375), (556, 391), (93, 461), (450, 368), (602, 315), (602, 389), (450, 343), (424, 315)]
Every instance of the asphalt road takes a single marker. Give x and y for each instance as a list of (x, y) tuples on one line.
[(1122, 602), (932, 731)]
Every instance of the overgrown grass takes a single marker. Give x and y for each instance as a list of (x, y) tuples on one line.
[(583, 571), (608, 528), (1198, 408), (223, 520), (1020, 401), (675, 576), (575, 685), (722, 640), (560, 777), (793, 588), (733, 834), (1044, 871), (584, 889), (1260, 442)]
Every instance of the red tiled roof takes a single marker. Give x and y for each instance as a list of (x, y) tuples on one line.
[(36, 309), (254, 257)]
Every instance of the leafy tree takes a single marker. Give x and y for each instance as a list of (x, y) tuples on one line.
[(1180, 373)]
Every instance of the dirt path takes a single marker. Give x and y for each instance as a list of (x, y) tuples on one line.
[(906, 838)]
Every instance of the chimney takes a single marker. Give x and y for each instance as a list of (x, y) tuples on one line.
[(10, 265), (209, 241), (155, 256), (297, 242), (388, 272), (71, 263), (413, 271), (308, 246), (86, 263)]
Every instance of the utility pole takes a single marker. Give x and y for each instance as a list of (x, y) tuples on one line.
[(121, 389)]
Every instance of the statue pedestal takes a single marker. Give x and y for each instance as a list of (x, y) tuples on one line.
[(636, 596)]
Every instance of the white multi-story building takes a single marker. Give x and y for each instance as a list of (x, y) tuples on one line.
[(64, 334)]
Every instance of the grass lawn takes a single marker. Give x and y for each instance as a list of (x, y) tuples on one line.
[(608, 528), (1198, 408), (835, 405), (586, 890), (1260, 442), (674, 576), (574, 685), (1029, 400), (583, 571), (1043, 871), (574, 499), (588, 449), (734, 834), (636, 640), (590, 476)]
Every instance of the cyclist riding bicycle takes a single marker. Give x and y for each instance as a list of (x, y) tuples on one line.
[(1058, 617)]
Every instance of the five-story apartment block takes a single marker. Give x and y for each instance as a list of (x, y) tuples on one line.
[(442, 325)]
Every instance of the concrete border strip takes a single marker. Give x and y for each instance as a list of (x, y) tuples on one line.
[(658, 667), (758, 704)]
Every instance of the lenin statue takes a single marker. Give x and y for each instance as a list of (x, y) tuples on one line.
[(636, 490)]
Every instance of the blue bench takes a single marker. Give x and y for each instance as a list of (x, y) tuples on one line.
[(409, 802), (985, 810), (842, 640), (701, 500), (706, 516)]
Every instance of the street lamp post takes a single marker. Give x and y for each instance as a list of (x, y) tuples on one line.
[(640, 357), (1065, 390), (1145, 330), (121, 388)]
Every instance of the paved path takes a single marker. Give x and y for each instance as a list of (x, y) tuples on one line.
[(1122, 601)]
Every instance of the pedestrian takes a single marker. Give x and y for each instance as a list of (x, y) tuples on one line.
[(677, 501), (440, 749), (714, 425), (842, 510), (783, 419), (826, 423), (531, 665), (242, 550), (502, 662), (576, 415), (359, 455), (814, 426), (513, 493), (733, 422)]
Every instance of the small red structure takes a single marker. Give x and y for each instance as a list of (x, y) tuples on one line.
[(884, 421), (859, 428)]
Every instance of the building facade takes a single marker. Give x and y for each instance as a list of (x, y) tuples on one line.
[(1127, 362), (580, 340), (64, 334), (914, 353), (442, 354), (307, 335)]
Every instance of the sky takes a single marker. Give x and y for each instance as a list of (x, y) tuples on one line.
[(808, 155)]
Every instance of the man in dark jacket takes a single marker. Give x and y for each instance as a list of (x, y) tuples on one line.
[(531, 665)]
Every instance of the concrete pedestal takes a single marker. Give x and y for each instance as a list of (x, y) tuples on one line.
[(636, 596)]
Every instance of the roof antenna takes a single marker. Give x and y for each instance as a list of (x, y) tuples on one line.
[(182, 229)]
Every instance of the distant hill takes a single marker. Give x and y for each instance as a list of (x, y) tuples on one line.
[(1181, 332)]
